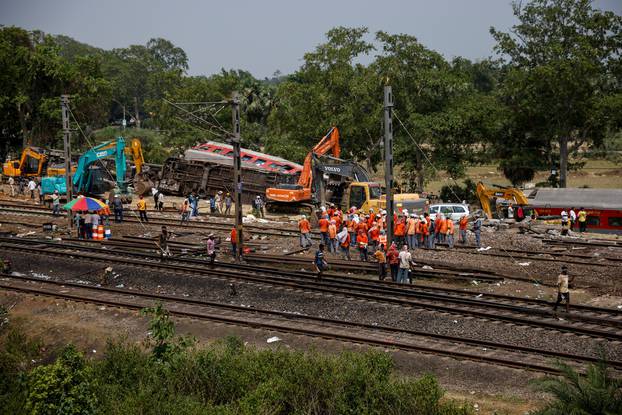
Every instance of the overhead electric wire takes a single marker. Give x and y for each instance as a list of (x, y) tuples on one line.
[(90, 144), (437, 171)]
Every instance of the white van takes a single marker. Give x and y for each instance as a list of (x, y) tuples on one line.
[(453, 210)]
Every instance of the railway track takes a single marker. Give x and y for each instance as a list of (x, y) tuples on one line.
[(289, 232), (514, 254), (195, 225), (600, 243), (345, 331), (590, 321)]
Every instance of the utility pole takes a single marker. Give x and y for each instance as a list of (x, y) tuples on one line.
[(237, 174), (136, 110), (64, 104), (388, 159)]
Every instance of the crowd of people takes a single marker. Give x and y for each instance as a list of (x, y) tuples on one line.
[(366, 233)]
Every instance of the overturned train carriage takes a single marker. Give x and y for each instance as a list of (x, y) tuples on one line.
[(180, 177)]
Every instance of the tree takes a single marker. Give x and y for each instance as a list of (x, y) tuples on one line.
[(33, 77), (445, 107), (330, 89), (563, 67)]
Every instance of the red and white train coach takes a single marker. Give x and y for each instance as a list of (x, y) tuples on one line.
[(219, 152), (603, 206)]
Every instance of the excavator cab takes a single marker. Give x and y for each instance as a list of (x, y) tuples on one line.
[(498, 198), (363, 195), (32, 163)]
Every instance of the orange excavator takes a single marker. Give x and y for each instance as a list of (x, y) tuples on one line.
[(301, 193), (326, 178)]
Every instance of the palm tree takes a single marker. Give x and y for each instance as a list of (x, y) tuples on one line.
[(594, 393)]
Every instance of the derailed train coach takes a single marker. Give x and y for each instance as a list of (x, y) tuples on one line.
[(180, 177), (603, 206)]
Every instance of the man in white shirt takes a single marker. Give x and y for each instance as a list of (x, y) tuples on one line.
[(55, 203), (405, 261), (564, 215), (12, 186), (32, 186)]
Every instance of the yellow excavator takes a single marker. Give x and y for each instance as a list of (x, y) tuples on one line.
[(32, 163), (487, 198), (35, 162)]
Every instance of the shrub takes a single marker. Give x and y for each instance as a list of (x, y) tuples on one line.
[(595, 393), (64, 387)]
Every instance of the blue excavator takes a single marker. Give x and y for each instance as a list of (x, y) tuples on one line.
[(92, 177)]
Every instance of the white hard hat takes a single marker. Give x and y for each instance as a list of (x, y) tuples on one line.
[(304, 216)]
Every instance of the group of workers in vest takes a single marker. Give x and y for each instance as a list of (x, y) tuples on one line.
[(367, 232)]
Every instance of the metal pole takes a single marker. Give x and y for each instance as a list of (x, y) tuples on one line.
[(64, 104), (388, 159), (136, 110), (237, 175)]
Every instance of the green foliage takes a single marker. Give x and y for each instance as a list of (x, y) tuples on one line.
[(330, 89), (223, 378), (64, 387), (228, 378), (17, 355), (456, 193), (162, 334), (33, 77), (445, 106), (563, 68), (598, 392), (154, 144)]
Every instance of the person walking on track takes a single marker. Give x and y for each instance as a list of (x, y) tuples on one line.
[(382, 262), (163, 244), (12, 186), (32, 186), (141, 205), (320, 261), (405, 259), (477, 229), (185, 211), (394, 261), (305, 232), (563, 291), (211, 248)]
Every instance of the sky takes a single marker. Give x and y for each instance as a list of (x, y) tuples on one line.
[(264, 36)]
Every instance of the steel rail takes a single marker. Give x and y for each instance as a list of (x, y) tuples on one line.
[(363, 292), (329, 333)]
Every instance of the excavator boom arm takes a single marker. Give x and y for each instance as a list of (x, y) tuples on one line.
[(509, 193), (110, 148), (330, 142)]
